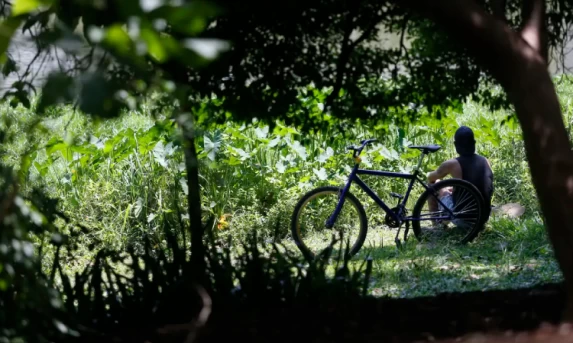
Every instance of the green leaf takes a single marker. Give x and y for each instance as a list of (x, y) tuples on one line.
[(41, 169), (242, 153), (54, 144), (9, 67), (183, 183), (118, 42), (274, 142), (233, 161), (262, 132), (321, 174), (389, 154), (19, 97), (326, 155), (160, 154), (116, 37), (211, 147), (26, 163), (155, 47), (300, 150), (281, 167), (26, 6)]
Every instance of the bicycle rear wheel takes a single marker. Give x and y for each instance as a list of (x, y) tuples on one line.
[(430, 218), (309, 217)]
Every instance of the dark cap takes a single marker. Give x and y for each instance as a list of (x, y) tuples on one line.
[(464, 141)]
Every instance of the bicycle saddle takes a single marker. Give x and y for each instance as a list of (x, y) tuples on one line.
[(426, 148)]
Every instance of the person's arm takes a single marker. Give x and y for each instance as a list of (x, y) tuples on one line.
[(443, 170)]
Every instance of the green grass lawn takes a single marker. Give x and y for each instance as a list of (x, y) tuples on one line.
[(510, 253)]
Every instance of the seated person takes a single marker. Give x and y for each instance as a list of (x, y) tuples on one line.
[(468, 166)]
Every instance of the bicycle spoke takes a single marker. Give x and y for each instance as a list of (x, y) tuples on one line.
[(454, 212), (313, 218)]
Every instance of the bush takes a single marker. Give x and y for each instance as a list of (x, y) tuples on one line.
[(161, 288)]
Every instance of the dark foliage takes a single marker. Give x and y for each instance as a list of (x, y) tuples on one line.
[(160, 289), (30, 306), (278, 49)]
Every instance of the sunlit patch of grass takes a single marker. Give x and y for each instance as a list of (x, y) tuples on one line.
[(510, 253)]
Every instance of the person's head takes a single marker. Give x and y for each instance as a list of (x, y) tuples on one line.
[(464, 141)]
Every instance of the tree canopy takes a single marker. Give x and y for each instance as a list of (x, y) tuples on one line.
[(271, 53)]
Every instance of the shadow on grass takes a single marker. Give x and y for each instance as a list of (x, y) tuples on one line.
[(509, 254)]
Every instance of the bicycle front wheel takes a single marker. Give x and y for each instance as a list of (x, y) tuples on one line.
[(431, 217), (308, 224)]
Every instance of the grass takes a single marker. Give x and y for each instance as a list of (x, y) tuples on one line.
[(510, 253)]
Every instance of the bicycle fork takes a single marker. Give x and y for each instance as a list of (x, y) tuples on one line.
[(332, 219)]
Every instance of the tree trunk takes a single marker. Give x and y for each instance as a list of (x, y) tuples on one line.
[(187, 127), (520, 67), (548, 151)]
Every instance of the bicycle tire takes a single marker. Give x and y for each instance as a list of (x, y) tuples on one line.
[(471, 235), (308, 254)]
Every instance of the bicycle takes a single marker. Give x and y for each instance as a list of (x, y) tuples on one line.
[(451, 200)]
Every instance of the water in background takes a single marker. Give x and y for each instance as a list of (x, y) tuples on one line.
[(23, 51)]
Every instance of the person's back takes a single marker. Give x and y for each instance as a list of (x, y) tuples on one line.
[(476, 170)]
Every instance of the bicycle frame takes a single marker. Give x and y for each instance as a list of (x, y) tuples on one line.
[(396, 216)]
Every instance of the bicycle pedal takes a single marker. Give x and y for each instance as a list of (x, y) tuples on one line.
[(398, 243)]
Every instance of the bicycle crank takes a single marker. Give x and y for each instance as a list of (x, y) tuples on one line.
[(397, 240), (390, 221)]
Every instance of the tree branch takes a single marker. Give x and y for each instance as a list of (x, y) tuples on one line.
[(534, 29), (402, 45), (348, 47), (343, 58), (366, 33)]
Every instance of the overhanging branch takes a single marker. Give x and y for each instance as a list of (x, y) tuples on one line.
[(343, 59), (348, 47), (402, 38)]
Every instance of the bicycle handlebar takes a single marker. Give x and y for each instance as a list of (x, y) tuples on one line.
[(368, 141), (364, 143)]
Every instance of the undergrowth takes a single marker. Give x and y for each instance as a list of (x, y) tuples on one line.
[(124, 178)]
